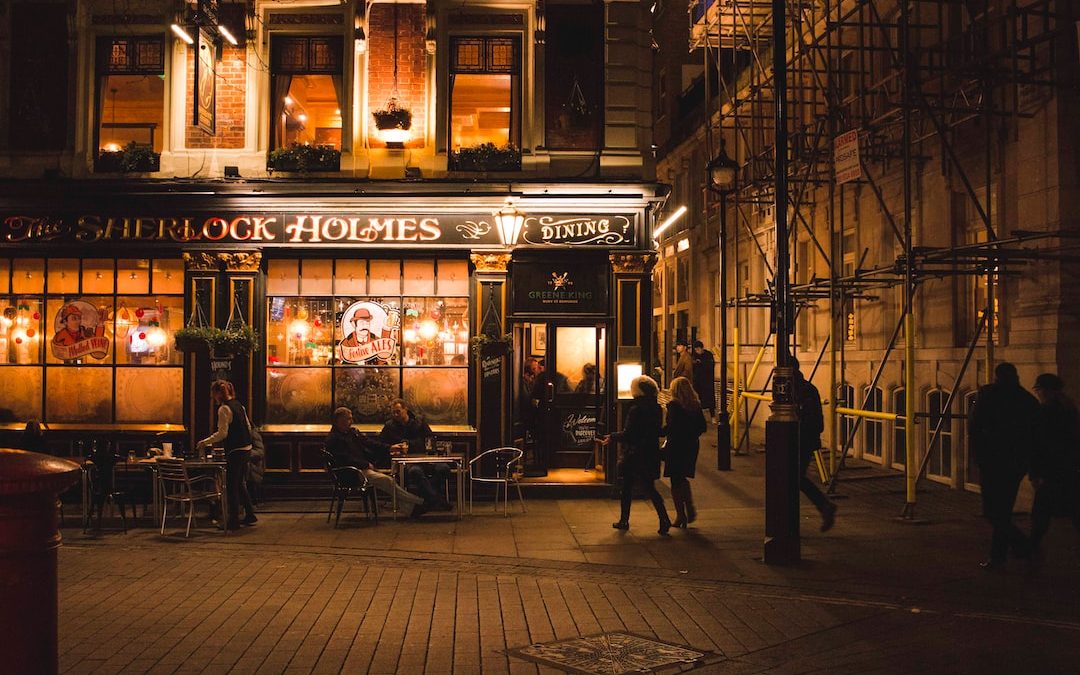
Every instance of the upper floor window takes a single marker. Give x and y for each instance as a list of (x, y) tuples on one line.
[(574, 76), (485, 103), (130, 110), (308, 91), (37, 110)]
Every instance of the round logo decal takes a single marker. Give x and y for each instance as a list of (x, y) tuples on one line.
[(370, 332), (80, 330)]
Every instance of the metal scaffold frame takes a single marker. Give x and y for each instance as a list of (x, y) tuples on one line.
[(913, 78)]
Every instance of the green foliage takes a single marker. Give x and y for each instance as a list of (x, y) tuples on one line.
[(242, 339), (393, 116), (133, 158), (478, 342), (486, 157), (304, 158)]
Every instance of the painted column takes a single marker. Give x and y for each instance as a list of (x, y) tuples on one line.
[(491, 366)]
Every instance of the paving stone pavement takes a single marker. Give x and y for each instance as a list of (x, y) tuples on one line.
[(438, 595)]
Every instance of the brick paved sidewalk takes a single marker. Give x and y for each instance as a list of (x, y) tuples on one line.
[(439, 595)]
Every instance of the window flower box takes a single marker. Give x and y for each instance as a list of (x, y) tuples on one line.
[(486, 157), (304, 158), (133, 158)]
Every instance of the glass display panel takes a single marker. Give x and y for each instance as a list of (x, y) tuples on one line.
[(317, 277), (5, 276), (27, 275), (310, 110), (132, 110), (20, 394), (480, 110), (368, 331), (20, 331), (439, 395), (282, 277), (299, 331), (419, 277), (74, 328), (168, 276), (298, 395), (79, 394), (63, 276), (453, 277), (149, 395), (435, 332), (97, 276), (575, 358), (133, 277), (367, 392), (351, 277), (384, 277), (144, 330)]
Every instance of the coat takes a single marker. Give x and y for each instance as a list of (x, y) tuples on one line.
[(683, 429), (641, 439), (807, 402), (704, 377), (1003, 428), (1056, 456), (684, 366)]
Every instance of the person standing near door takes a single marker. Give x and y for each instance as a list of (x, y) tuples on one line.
[(704, 374), (640, 462), (684, 365), (685, 423)]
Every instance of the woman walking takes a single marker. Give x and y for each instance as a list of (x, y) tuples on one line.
[(685, 423), (640, 463), (234, 432)]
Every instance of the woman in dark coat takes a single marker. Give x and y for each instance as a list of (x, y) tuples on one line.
[(1055, 463), (685, 423), (640, 464), (704, 375)]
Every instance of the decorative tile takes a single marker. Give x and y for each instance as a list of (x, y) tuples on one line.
[(608, 654)]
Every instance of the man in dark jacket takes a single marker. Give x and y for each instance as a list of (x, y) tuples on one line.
[(704, 374), (811, 423), (1055, 464), (406, 434), (1002, 429)]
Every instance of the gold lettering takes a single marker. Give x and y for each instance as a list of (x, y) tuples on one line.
[(89, 228), (259, 231), (222, 226), (406, 229), (429, 229), (20, 228), (375, 227), (335, 229), (140, 223), (295, 231), (234, 229)]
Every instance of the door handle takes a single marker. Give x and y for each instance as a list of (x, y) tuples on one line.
[(549, 392)]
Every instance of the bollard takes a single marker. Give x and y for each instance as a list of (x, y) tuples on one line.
[(29, 537)]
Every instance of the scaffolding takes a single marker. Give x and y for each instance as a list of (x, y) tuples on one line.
[(916, 81)]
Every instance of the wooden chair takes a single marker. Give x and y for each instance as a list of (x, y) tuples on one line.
[(177, 486)]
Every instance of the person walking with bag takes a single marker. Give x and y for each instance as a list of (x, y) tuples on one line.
[(234, 432), (640, 463), (685, 424)]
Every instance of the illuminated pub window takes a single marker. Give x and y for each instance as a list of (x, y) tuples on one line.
[(360, 333), (130, 107), (485, 103), (90, 341), (308, 91)]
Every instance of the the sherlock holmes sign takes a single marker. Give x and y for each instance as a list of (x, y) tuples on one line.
[(330, 228), (560, 287)]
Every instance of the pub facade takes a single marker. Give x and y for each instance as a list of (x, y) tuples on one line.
[(432, 202)]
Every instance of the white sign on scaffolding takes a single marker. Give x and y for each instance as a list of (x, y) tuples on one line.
[(846, 157)]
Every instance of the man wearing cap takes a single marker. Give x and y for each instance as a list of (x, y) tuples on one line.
[(73, 331), (361, 319), (704, 374), (684, 365)]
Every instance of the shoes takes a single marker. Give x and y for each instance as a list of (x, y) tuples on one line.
[(828, 517), (691, 513), (664, 527), (621, 525), (418, 510), (250, 520), (679, 522)]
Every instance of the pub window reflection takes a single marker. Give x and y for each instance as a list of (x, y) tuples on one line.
[(130, 107)]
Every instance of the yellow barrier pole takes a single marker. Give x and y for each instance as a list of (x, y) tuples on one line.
[(869, 414), (733, 411), (909, 409), (755, 396)]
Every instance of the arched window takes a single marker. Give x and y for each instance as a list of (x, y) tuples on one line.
[(899, 427), (941, 451), (873, 430), (845, 398)]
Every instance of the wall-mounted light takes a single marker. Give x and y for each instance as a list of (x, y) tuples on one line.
[(394, 138), (669, 221), (182, 33), (625, 374), (359, 39), (509, 222), (224, 32)]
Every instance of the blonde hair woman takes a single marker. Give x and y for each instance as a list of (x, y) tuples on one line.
[(685, 424)]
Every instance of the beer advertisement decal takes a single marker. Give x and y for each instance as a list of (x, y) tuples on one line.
[(80, 330), (370, 332)]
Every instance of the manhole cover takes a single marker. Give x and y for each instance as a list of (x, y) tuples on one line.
[(608, 654)]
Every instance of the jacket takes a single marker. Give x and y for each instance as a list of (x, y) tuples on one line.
[(684, 366), (349, 448), (704, 377), (1003, 427), (641, 438), (683, 429), (414, 432), (1056, 456), (811, 419)]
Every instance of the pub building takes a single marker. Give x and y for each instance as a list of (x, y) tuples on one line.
[(402, 199)]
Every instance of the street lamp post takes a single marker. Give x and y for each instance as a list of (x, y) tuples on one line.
[(722, 174)]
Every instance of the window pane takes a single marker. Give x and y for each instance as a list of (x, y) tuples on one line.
[(435, 332), (311, 114), (133, 277), (453, 277), (20, 393), (132, 110), (144, 329), (419, 277), (78, 394), (97, 276), (351, 277), (367, 392), (282, 277), (5, 276), (63, 276), (440, 395), (299, 331), (385, 277), (28, 275), (150, 395), (20, 331), (75, 327), (168, 276), (481, 110), (298, 395), (317, 277), (368, 331), (576, 356)]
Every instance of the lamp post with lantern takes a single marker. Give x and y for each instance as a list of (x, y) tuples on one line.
[(723, 172)]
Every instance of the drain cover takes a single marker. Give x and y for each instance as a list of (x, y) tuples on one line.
[(608, 654)]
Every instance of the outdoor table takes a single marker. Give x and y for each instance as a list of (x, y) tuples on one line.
[(150, 463), (398, 466)]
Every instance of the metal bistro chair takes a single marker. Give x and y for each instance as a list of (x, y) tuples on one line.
[(101, 483), (346, 481), (505, 462), (177, 486)]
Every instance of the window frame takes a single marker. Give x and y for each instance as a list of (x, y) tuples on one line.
[(945, 438), (872, 428), (517, 84), (103, 67), (335, 43)]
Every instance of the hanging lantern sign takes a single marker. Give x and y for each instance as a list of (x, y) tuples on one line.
[(80, 330), (370, 332)]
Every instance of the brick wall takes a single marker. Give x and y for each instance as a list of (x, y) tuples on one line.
[(231, 88), (411, 86)]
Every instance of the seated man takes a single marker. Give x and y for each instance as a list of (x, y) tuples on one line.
[(405, 433), (349, 448)]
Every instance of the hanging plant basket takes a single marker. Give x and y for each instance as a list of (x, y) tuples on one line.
[(193, 338), (238, 340), (479, 342), (393, 116)]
